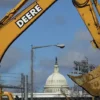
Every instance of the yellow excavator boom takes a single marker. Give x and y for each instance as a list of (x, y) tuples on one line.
[(12, 28), (12, 12), (97, 5), (88, 15)]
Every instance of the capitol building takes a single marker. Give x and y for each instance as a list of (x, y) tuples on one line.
[(55, 84), (55, 88), (56, 81)]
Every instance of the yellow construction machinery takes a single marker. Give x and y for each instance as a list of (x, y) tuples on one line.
[(87, 11), (12, 26), (7, 96), (4, 95)]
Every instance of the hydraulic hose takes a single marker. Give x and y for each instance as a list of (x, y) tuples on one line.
[(77, 4)]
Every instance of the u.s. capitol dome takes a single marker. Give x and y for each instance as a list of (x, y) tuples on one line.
[(56, 82)]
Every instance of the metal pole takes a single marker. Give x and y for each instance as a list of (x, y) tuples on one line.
[(32, 72), (26, 87), (22, 96), (27, 84)]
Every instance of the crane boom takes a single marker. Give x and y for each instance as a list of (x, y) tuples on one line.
[(88, 15), (11, 30)]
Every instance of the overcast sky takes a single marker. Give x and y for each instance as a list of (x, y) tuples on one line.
[(59, 24)]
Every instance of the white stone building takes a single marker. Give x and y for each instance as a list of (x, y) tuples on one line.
[(55, 87), (56, 82)]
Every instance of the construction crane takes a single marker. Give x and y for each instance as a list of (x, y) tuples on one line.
[(86, 9), (12, 26)]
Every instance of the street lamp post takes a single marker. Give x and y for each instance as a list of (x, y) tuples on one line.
[(32, 53)]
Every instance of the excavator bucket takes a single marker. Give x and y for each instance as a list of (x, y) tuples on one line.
[(89, 82)]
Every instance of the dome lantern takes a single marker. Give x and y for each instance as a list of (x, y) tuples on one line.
[(56, 67)]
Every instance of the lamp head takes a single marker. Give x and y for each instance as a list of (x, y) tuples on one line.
[(60, 45)]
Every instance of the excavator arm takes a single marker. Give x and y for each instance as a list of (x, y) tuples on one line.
[(11, 13), (88, 15), (13, 26), (97, 5)]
